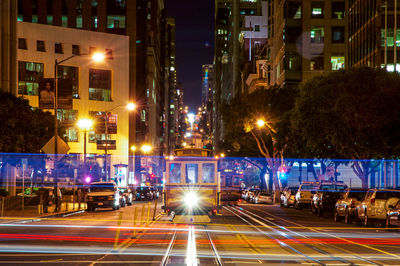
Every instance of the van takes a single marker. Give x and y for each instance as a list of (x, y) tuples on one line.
[(103, 195)]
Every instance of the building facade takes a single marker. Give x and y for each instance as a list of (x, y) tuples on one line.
[(8, 45), (373, 30), (97, 88), (306, 38), (141, 21)]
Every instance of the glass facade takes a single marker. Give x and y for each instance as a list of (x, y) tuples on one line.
[(100, 85), (71, 73), (29, 76)]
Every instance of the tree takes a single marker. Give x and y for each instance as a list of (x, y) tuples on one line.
[(23, 130), (353, 114), (241, 138)]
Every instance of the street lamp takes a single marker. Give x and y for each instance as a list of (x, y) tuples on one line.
[(85, 125), (146, 148), (129, 107), (96, 57), (260, 123)]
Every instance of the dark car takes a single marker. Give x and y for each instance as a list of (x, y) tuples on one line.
[(326, 196), (144, 193)]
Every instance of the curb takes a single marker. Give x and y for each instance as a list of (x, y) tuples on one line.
[(39, 218)]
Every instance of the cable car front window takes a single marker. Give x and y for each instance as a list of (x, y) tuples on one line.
[(208, 173), (175, 173), (192, 172)]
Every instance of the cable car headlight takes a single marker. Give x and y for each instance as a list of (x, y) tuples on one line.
[(191, 199)]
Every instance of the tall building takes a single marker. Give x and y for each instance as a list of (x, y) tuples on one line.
[(229, 23), (373, 30), (206, 116), (97, 88), (172, 93), (306, 38), (141, 21), (8, 46)]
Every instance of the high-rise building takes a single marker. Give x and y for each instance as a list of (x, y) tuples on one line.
[(207, 113), (141, 20), (229, 23), (373, 29), (8, 46), (306, 38)]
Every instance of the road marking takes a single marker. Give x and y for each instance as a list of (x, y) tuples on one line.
[(344, 239)]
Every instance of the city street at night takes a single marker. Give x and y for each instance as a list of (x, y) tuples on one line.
[(243, 234)]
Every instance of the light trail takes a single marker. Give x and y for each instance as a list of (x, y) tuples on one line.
[(191, 254)]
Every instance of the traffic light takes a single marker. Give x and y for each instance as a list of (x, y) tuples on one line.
[(152, 175), (282, 173)]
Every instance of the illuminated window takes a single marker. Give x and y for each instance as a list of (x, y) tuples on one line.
[(317, 10), (29, 76), (79, 21), (64, 21), (317, 35), (100, 85), (338, 9), (116, 22), (337, 62), (317, 63), (50, 20)]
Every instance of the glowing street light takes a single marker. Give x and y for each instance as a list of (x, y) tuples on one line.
[(98, 57), (85, 125), (260, 123), (146, 148), (133, 148), (131, 106)]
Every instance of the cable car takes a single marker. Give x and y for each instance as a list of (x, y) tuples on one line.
[(192, 183)]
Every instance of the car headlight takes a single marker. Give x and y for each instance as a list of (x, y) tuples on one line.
[(191, 199), (110, 197)]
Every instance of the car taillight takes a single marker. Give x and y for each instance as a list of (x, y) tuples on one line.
[(372, 201), (353, 203), (110, 197)]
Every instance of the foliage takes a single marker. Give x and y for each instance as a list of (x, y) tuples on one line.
[(24, 129), (351, 114)]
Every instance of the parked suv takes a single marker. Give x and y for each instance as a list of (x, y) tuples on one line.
[(288, 196), (304, 194), (345, 207), (376, 205), (393, 215), (326, 196), (103, 195)]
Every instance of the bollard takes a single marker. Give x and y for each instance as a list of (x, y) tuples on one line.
[(40, 206), (148, 213), (142, 217), (155, 208), (134, 222), (2, 206), (118, 230)]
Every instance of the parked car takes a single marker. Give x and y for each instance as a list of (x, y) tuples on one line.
[(393, 215), (288, 196), (263, 197), (127, 192), (122, 199), (252, 194), (376, 205), (144, 193), (304, 194), (103, 195), (345, 207), (155, 192), (246, 194), (326, 196)]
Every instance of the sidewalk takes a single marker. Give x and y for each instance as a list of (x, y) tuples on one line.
[(36, 212)]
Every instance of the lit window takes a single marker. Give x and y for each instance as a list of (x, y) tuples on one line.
[(79, 21), (100, 85), (337, 62), (50, 20), (317, 9), (64, 21), (317, 35), (29, 76)]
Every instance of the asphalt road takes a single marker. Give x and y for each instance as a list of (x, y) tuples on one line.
[(245, 234)]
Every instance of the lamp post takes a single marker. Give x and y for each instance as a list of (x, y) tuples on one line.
[(85, 125), (129, 107), (96, 57)]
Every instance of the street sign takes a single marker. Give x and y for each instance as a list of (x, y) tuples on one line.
[(62, 147), (109, 144)]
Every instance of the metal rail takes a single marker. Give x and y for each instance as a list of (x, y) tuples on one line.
[(169, 249), (217, 257)]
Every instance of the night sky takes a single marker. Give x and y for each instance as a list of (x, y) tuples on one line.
[(194, 43)]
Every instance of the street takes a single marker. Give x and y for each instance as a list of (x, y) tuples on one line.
[(243, 234)]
